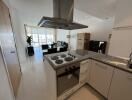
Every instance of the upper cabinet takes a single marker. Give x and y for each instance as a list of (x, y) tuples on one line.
[(123, 15), (121, 86), (83, 41)]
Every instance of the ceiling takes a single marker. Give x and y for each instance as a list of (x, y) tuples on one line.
[(98, 8), (102, 9)]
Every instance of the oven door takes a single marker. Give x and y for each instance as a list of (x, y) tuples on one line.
[(67, 80)]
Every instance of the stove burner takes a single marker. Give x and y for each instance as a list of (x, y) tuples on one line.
[(68, 58), (63, 55), (59, 61), (54, 57)]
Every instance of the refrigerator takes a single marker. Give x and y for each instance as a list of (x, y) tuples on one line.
[(98, 46)]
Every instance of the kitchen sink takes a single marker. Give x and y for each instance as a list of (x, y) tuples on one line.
[(118, 63), (115, 61)]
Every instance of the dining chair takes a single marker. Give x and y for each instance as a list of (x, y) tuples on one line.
[(52, 50)]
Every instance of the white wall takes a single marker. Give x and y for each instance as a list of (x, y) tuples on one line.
[(121, 41), (18, 30), (123, 13), (99, 8), (99, 28), (61, 35)]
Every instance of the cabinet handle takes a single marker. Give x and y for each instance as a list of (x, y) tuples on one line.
[(12, 52), (103, 67), (130, 78)]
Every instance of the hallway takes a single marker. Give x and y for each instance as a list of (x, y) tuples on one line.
[(33, 83)]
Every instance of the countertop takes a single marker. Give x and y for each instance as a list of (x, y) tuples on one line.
[(83, 55)]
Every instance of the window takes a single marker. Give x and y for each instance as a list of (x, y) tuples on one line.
[(42, 39), (49, 38), (40, 35)]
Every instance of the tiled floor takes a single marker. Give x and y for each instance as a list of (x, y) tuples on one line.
[(34, 83)]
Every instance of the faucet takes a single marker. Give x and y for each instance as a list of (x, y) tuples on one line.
[(130, 61)]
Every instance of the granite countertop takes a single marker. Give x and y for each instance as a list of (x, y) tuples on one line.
[(83, 55)]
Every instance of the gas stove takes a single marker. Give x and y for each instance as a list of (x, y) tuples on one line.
[(62, 58)]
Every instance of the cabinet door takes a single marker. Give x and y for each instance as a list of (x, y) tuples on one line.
[(83, 36), (121, 86), (89, 65), (80, 44), (80, 36), (100, 77), (85, 71)]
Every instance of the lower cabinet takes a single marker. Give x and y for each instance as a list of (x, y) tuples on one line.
[(121, 86), (100, 77), (85, 71), (112, 83)]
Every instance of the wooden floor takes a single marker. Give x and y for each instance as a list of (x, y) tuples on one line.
[(86, 93), (34, 82)]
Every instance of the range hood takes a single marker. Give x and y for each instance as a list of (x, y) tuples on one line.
[(63, 16)]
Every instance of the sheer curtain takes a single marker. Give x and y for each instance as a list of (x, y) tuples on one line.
[(40, 35)]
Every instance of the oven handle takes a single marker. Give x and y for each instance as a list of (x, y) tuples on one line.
[(68, 72)]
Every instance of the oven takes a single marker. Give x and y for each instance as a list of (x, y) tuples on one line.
[(67, 77)]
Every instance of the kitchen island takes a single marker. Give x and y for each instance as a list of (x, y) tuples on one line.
[(83, 55), (88, 67)]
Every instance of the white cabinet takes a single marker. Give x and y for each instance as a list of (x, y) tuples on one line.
[(100, 77), (121, 86), (80, 44), (83, 41), (85, 67)]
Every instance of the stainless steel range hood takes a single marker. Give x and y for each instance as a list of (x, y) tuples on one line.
[(63, 16)]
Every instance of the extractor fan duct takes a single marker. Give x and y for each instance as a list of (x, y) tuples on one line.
[(63, 16)]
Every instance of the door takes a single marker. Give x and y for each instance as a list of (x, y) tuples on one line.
[(5, 87), (9, 47), (121, 86), (100, 77)]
